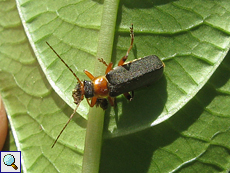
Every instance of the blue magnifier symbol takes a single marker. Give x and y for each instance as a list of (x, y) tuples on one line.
[(9, 160)]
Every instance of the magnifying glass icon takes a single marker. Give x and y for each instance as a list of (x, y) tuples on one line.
[(9, 160)]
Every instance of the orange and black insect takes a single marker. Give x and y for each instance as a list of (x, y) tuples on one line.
[(123, 79)]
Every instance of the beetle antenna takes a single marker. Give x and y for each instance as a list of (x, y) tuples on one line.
[(63, 62), (71, 116)]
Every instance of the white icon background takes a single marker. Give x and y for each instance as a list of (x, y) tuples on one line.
[(5, 168)]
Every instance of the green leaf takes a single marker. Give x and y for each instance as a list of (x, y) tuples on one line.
[(178, 33), (34, 110), (191, 37), (188, 38), (196, 139)]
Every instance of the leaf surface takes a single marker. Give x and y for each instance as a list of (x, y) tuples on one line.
[(195, 139), (191, 37)]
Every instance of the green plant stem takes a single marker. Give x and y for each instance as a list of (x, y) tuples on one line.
[(93, 140)]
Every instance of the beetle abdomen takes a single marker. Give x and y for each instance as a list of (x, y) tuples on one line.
[(134, 74)]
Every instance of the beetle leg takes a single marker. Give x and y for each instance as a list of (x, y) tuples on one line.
[(93, 101), (128, 96), (124, 58), (109, 67), (89, 74), (103, 61), (111, 101)]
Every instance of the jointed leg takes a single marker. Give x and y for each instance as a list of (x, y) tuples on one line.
[(111, 101), (101, 102), (128, 96), (93, 101), (109, 67), (122, 61), (103, 61), (89, 74)]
